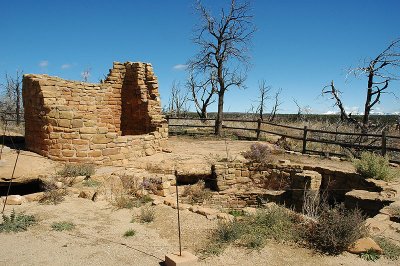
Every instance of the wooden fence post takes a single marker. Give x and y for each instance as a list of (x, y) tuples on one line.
[(304, 140), (383, 142), (258, 128)]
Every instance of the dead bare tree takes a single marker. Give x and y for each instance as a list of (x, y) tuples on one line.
[(223, 43), (335, 95), (86, 74), (277, 103), (177, 105), (202, 93), (263, 91), (11, 100), (380, 72)]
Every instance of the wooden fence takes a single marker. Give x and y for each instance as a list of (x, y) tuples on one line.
[(303, 135)]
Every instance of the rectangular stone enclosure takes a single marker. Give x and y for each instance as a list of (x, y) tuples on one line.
[(106, 123)]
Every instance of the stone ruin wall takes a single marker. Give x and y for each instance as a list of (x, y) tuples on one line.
[(243, 184), (107, 123)]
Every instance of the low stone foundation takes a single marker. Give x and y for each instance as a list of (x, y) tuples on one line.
[(251, 184)]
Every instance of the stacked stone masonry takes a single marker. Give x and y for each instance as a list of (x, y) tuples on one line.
[(107, 123), (245, 184)]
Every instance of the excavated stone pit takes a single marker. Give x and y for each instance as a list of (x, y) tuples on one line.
[(238, 185)]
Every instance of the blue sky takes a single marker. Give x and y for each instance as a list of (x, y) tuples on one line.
[(299, 46)]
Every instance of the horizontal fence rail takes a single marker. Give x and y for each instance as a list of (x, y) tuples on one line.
[(303, 134)]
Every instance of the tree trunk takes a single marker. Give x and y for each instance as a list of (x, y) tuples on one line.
[(218, 121), (367, 107), (203, 112)]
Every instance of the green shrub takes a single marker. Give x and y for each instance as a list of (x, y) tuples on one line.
[(252, 231), (16, 222), (370, 255), (145, 199), (72, 170), (336, 229), (147, 214), (390, 250), (227, 232), (63, 226), (371, 165), (236, 213), (129, 233)]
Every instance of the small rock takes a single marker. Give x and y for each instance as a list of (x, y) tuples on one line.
[(206, 211), (149, 151), (156, 202), (58, 184), (167, 150), (88, 194), (14, 199), (34, 196), (194, 208), (225, 217), (363, 245), (281, 161), (79, 179)]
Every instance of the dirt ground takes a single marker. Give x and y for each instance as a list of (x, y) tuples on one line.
[(98, 236)]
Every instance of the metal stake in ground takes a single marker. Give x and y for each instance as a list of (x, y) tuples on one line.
[(9, 184), (179, 220)]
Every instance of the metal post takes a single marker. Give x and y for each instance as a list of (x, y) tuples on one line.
[(305, 140), (9, 184), (179, 220)]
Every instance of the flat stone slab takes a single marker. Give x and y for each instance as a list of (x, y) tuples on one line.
[(186, 259)]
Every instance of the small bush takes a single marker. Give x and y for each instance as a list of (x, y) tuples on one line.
[(258, 153), (125, 202), (63, 226), (129, 233), (152, 184), (336, 229), (16, 222), (52, 194), (370, 255), (252, 231), (197, 193), (72, 170), (390, 250), (227, 232), (147, 214), (236, 213), (130, 185), (371, 165)]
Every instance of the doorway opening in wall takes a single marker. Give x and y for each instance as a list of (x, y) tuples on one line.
[(135, 118)]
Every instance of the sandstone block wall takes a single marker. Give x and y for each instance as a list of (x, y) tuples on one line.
[(106, 123), (243, 184)]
